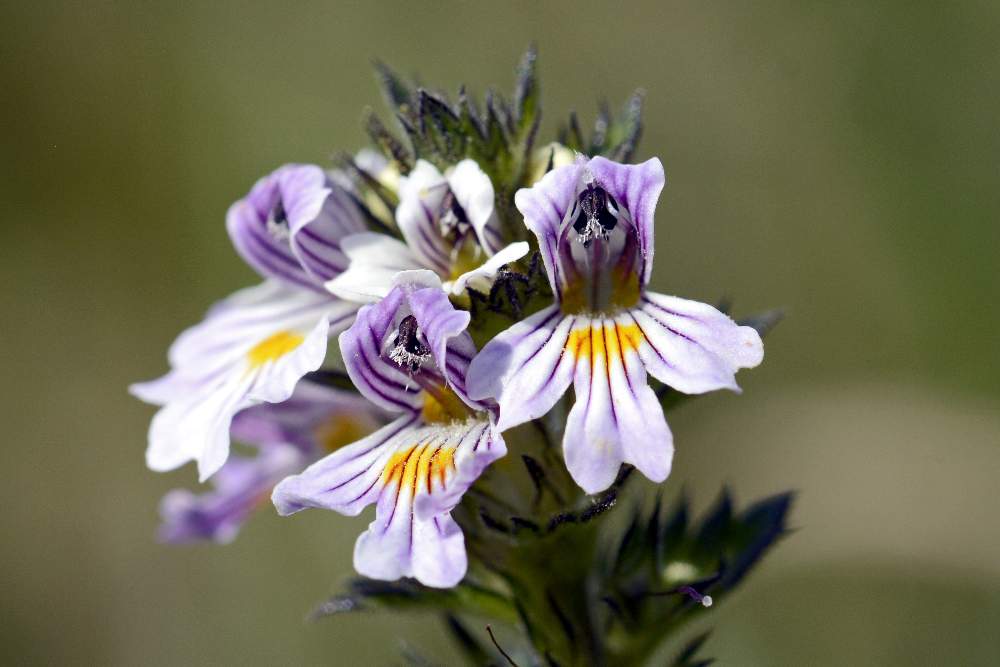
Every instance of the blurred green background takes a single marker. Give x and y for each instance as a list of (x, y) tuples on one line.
[(837, 159)]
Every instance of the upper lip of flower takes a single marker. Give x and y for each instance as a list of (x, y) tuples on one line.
[(290, 226), (448, 227)]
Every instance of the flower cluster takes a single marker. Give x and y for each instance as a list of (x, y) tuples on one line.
[(389, 256)]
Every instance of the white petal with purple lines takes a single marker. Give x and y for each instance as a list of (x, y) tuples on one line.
[(251, 348), (374, 262), (474, 192), (525, 368), (415, 473), (421, 195), (616, 417), (693, 347)]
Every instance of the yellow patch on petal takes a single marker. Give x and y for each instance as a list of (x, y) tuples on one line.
[(340, 430), (611, 341), (417, 463), (273, 348)]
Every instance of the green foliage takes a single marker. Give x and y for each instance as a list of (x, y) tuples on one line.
[(655, 574), (581, 591), (615, 138)]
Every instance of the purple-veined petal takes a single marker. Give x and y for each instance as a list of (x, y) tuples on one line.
[(240, 487), (430, 550), (288, 436), (251, 348), (262, 240), (525, 367), (349, 479), (637, 188), (474, 192), (374, 262), (545, 207), (436, 463), (691, 346), (416, 473), (363, 346), (481, 278), (421, 195), (316, 238), (616, 417), (477, 444)]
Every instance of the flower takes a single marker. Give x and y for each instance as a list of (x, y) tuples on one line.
[(254, 346), (287, 437), (594, 223), (408, 354), (449, 227)]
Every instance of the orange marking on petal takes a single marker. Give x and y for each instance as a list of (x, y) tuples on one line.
[(578, 343), (273, 348), (435, 464), (396, 465), (611, 341), (630, 336), (410, 471), (417, 463)]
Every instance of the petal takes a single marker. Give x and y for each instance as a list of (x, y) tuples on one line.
[(481, 279), (525, 367), (474, 192), (240, 487), (421, 194), (316, 237), (439, 321), (374, 261), (351, 478), (691, 346), (251, 348), (302, 188), (637, 188), (616, 417), (275, 378), (315, 419), (477, 444), (416, 474), (435, 463), (362, 347), (545, 207), (430, 550)]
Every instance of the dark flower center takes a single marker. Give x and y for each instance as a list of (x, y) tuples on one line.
[(408, 351), (277, 222), (596, 219), (453, 218)]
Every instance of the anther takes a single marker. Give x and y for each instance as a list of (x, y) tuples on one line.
[(407, 349), (453, 217), (596, 219), (277, 222)]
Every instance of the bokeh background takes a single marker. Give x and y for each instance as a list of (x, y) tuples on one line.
[(836, 159)]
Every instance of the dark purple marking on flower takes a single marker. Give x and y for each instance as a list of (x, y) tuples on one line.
[(408, 351), (453, 219), (277, 222), (596, 219)]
